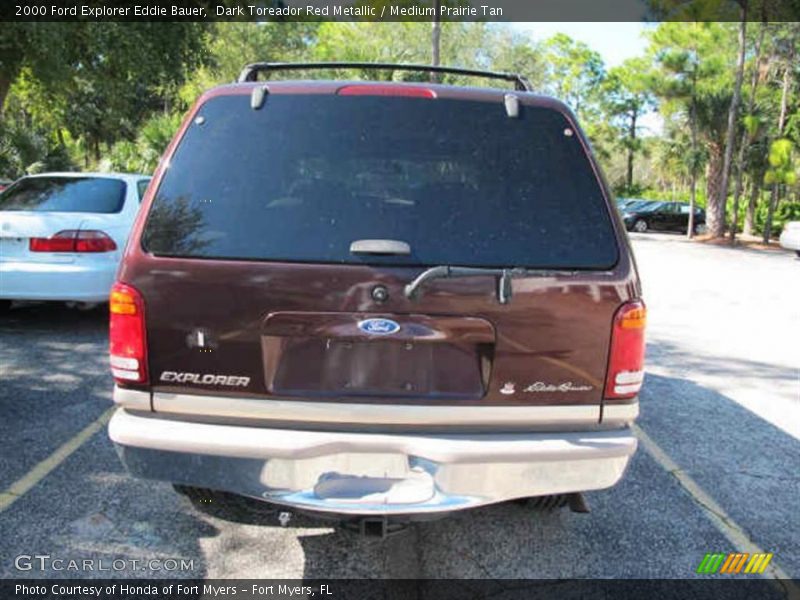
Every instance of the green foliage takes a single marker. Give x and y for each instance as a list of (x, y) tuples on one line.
[(786, 211), (781, 164), (110, 95), (99, 81), (574, 73), (26, 150), (142, 154)]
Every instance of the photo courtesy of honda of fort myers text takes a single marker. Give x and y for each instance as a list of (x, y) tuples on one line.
[(399, 299)]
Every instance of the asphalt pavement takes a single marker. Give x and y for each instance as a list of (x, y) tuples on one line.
[(719, 469)]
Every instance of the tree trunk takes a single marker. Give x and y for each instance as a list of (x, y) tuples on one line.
[(730, 136), (746, 138), (715, 218), (436, 36), (750, 214), (5, 85), (693, 167), (773, 201), (632, 138), (692, 204)]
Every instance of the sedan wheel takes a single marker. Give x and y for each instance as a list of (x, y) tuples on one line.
[(700, 229), (640, 226)]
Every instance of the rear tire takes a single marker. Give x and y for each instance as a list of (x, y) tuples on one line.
[(640, 226), (700, 229)]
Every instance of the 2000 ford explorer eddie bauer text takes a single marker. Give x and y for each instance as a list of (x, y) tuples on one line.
[(377, 300)]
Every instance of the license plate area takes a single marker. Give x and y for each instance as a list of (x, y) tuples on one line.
[(11, 248), (328, 356)]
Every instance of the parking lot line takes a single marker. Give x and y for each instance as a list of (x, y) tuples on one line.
[(716, 514), (24, 484)]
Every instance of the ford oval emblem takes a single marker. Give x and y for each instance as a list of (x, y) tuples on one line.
[(379, 326)]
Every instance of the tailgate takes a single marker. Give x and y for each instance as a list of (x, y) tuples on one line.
[(242, 332)]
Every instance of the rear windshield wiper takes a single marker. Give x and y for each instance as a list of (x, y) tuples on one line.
[(446, 272)]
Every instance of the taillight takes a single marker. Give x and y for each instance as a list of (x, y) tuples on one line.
[(626, 357), (74, 240), (127, 343), (386, 90)]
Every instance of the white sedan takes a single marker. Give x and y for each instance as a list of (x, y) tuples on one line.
[(62, 234), (790, 236)]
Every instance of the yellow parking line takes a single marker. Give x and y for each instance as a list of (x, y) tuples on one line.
[(21, 486), (721, 520)]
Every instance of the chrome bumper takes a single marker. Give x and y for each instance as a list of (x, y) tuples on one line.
[(370, 473)]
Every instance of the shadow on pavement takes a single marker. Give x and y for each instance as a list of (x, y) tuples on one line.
[(747, 465), (55, 380), (673, 356)]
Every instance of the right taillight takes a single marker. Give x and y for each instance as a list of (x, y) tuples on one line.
[(127, 344), (626, 356)]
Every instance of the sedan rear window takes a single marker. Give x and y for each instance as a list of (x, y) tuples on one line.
[(459, 182), (65, 194)]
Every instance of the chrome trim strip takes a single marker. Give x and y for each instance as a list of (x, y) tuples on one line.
[(299, 411), (620, 413), (132, 398)]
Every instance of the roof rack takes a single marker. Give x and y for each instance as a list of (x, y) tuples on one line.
[(250, 72)]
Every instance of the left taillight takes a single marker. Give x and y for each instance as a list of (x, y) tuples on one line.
[(74, 240), (127, 343)]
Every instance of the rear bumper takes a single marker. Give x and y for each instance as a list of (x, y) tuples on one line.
[(370, 473), (80, 282)]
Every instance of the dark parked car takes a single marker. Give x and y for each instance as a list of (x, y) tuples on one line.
[(626, 204), (662, 216), (377, 300)]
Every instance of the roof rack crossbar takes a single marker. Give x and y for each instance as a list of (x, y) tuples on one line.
[(250, 72)]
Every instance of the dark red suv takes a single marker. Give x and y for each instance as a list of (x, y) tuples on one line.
[(377, 299)]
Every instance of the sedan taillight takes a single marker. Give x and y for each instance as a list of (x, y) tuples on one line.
[(626, 356), (127, 342), (74, 240)]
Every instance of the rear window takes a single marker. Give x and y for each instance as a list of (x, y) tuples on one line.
[(65, 194), (459, 181)]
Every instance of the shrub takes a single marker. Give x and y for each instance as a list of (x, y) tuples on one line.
[(27, 150), (142, 154)]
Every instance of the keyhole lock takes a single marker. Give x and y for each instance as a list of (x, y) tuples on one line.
[(380, 294)]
